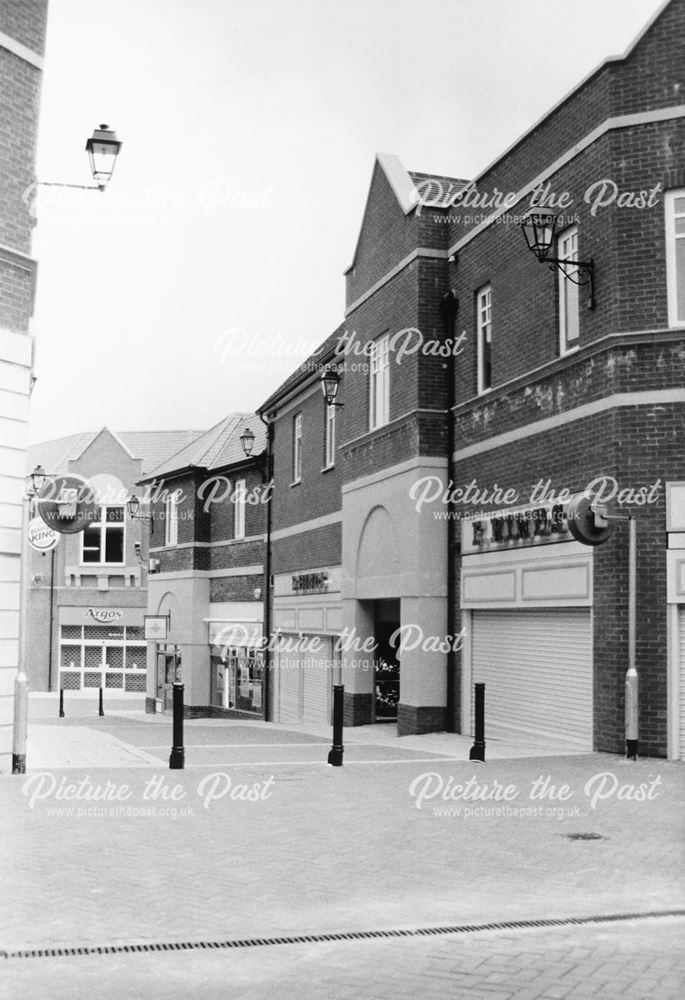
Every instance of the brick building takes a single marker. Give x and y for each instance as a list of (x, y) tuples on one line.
[(207, 517), (86, 597), (306, 544), (22, 42), (444, 542)]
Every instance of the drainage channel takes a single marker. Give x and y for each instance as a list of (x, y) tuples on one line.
[(501, 925)]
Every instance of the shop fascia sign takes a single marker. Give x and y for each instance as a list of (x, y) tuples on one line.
[(516, 528), (104, 615), (310, 583)]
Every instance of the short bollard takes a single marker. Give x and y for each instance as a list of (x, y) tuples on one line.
[(101, 709), (177, 759), (21, 718), (335, 754), (478, 748), (632, 692), (61, 703)]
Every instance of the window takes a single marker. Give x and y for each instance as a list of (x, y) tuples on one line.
[(675, 256), (103, 540), (569, 293), (239, 509), (484, 337), (329, 437), (379, 370), (171, 520), (297, 447)]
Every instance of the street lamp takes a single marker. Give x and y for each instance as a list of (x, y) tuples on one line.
[(38, 477), (330, 383), (539, 228), (247, 441), (133, 507), (103, 148)]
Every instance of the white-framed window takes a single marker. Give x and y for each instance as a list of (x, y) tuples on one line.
[(569, 293), (329, 437), (171, 520), (484, 337), (297, 447), (239, 509), (379, 382), (674, 203), (103, 541)]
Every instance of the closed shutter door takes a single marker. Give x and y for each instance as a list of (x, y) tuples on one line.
[(289, 688), (316, 676), (681, 631), (537, 671)]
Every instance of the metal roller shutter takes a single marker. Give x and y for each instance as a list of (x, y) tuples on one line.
[(537, 668), (289, 688), (681, 644), (316, 675)]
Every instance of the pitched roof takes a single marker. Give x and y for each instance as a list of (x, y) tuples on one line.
[(314, 364), (152, 447), (218, 447), (438, 188)]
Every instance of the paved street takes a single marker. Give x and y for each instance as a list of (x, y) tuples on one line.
[(259, 838), (638, 960)]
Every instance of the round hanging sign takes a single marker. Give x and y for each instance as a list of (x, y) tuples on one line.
[(41, 537)]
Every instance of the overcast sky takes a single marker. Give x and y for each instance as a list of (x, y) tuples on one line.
[(250, 129)]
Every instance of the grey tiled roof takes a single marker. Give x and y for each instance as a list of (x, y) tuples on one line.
[(152, 447), (313, 364), (218, 447)]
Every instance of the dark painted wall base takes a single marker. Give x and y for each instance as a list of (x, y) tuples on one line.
[(415, 719)]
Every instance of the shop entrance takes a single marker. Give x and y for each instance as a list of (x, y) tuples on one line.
[(168, 671), (386, 684)]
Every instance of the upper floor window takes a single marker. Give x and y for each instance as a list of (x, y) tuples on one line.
[(239, 509), (675, 256), (103, 540), (484, 337), (379, 372), (329, 437), (297, 447), (569, 293), (171, 520)]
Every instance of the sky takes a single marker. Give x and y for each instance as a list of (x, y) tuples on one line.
[(213, 264)]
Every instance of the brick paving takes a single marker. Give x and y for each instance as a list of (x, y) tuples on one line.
[(636, 960), (340, 849)]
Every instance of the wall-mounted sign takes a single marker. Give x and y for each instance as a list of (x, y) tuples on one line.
[(41, 537), (105, 615), (522, 527), (156, 627), (310, 583), (68, 504)]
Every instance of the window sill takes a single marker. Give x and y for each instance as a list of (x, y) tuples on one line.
[(327, 468), (102, 566), (569, 350), (295, 482)]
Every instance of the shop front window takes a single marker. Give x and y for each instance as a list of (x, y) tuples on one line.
[(237, 680)]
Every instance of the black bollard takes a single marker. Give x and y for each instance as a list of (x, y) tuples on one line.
[(478, 748), (101, 709), (335, 754), (177, 760), (61, 703)]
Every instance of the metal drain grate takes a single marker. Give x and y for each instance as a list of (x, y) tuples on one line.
[(584, 836), (500, 925)]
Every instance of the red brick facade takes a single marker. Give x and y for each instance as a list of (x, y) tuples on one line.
[(614, 406)]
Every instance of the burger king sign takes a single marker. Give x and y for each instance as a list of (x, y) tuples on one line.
[(41, 536)]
